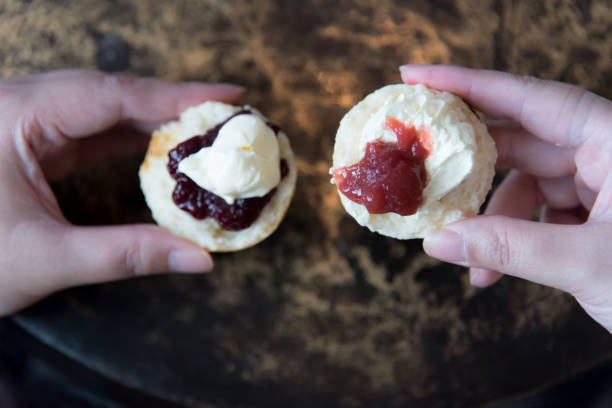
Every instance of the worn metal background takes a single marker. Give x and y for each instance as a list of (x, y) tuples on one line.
[(323, 313)]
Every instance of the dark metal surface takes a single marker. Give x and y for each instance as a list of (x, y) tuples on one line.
[(323, 313)]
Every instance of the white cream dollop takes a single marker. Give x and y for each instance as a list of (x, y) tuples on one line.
[(452, 157), (243, 161)]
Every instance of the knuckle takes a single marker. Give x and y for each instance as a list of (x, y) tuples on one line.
[(503, 250), (130, 262), (136, 257), (500, 251), (118, 82), (526, 80)]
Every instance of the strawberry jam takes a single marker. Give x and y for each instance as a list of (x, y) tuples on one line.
[(201, 203), (391, 176)]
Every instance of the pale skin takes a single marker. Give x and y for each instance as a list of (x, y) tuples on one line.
[(52, 123), (557, 139)]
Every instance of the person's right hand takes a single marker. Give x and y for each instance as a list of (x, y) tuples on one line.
[(558, 140)]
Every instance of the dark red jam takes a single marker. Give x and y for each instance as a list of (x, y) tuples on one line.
[(391, 176), (201, 203)]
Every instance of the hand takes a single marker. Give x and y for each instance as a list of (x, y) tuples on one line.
[(558, 140), (52, 123)]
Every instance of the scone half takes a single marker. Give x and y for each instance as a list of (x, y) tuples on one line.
[(460, 166), (158, 185)]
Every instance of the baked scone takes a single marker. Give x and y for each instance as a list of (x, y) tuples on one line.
[(408, 159), (221, 176)]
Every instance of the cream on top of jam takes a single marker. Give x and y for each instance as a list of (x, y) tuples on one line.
[(391, 176), (201, 203)]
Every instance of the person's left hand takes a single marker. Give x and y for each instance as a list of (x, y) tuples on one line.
[(51, 123)]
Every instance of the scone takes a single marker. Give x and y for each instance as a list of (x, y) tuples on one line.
[(408, 159), (221, 176)]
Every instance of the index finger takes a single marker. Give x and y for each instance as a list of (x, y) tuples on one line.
[(553, 111), (78, 103)]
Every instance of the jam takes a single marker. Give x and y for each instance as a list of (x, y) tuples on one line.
[(201, 203), (391, 176)]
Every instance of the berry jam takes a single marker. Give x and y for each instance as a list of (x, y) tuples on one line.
[(391, 176), (201, 203)]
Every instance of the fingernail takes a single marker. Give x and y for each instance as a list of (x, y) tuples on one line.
[(189, 261), (446, 245), (481, 278), (477, 277), (404, 73)]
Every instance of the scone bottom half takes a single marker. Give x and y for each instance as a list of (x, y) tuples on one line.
[(190, 210), (408, 159)]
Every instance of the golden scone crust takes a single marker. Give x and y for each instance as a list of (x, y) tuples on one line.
[(157, 184), (461, 165)]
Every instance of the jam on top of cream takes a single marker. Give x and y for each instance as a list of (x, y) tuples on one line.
[(391, 176)]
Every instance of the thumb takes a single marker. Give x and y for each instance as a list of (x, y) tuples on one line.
[(100, 254), (553, 255)]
